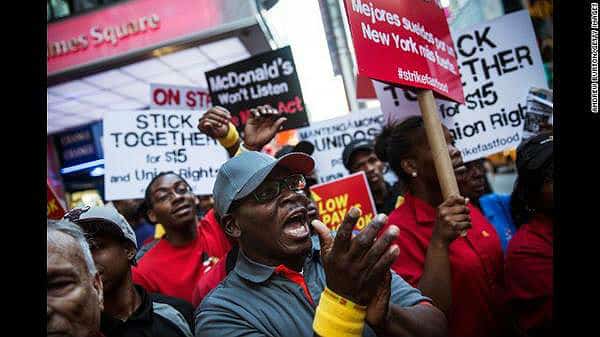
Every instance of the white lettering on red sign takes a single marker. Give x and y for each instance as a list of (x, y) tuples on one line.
[(101, 35), (179, 97)]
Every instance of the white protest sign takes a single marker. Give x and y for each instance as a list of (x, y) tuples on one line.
[(499, 61), (166, 96), (539, 110), (140, 144), (331, 136)]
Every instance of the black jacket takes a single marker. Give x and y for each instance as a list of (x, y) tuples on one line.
[(157, 316), (389, 203)]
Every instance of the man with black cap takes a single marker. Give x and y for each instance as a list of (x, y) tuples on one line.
[(302, 147), (287, 283), (128, 309), (359, 155)]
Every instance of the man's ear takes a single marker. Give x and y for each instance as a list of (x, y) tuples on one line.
[(408, 166), (230, 226), (130, 251), (99, 289), (152, 216)]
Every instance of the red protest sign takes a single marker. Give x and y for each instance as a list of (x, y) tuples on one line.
[(335, 198), (405, 42), (55, 209), (365, 88), (164, 96)]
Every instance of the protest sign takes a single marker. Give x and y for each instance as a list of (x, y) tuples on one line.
[(499, 61), (55, 209), (335, 198), (166, 96), (268, 78), (140, 144), (539, 110), (418, 55), (406, 43), (331, 136)]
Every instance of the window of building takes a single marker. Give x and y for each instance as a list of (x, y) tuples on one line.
[(58, 9), (85, 5)]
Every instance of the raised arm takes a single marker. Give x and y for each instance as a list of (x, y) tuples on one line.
[(262, 127), (216, 123), (436, 280), (358, 289)]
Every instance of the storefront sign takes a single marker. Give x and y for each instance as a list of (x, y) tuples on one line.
[(80, 145), (133, 26), (98, 35)]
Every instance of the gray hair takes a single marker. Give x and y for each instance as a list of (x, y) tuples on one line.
[(69, 228)]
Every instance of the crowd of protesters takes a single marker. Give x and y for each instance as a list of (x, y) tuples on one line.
[(254, 259)]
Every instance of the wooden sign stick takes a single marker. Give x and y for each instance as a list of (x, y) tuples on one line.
[(437, 143)]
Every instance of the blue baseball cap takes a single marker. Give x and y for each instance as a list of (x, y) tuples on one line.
[(242, 174)]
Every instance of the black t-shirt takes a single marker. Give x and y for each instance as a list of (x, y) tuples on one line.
[(389, 202), (157, 316)]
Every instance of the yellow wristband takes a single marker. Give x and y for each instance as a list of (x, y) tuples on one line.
[(231, 138), (241, 149), (336, 316)]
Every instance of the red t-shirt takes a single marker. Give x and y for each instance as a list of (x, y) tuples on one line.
[(174, 271), (210, 280), (476, 264), (528, 272)]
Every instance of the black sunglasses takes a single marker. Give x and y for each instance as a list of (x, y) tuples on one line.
[(270, 189)]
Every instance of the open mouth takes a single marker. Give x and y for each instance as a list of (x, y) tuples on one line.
[(57, 334), (459, 166), (183, 209), (479, 187), (296, 224)]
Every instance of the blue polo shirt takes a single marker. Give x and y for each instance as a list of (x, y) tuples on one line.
[(253, 300)]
